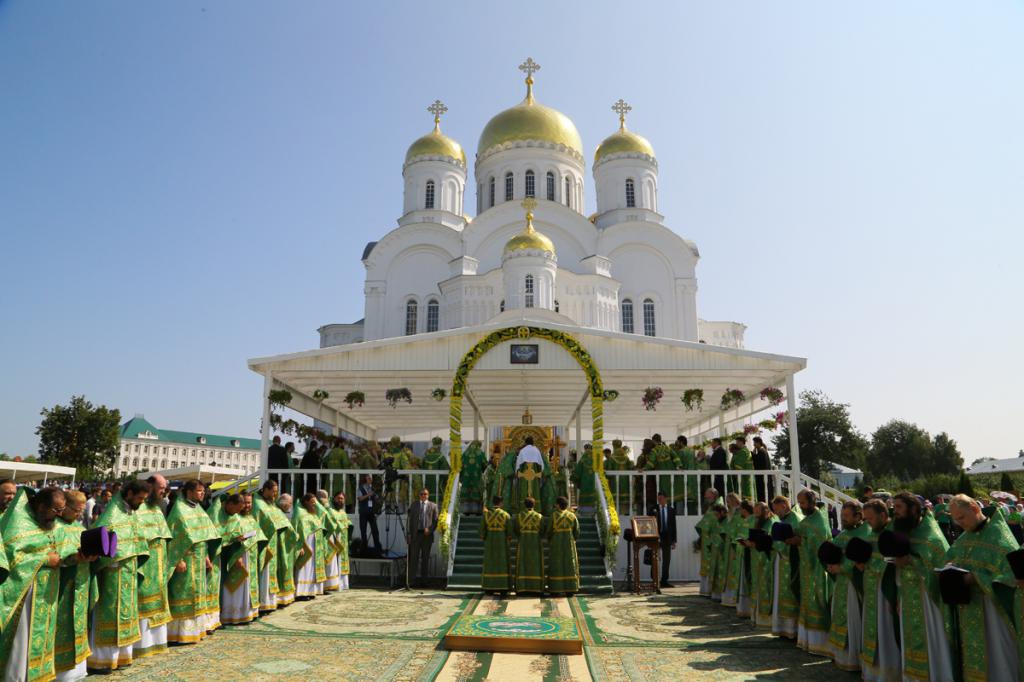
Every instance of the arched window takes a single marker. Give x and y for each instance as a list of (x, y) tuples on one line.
[(551, 186), (528, 290), (433, 315), (501, 306), (648, 317), (508, 187), (428, 201), (568, 192), (491, 193), (630, 194), (627, 316), (410, 318), (531, 190)]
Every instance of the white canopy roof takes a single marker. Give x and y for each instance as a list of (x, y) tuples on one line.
[(205, 473), (552, 389), (21, 472)]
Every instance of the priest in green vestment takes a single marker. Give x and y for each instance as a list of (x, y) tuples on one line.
[(815, 586), (744, 594), (786, 590), (495, 531), (434, 460), (240, 536), (988, 633), (730, 532), (742, 460), (687, 486), (880, 658), (720, 550), (310, 561), (493, 481), (332, 568), (618, 460), (191, 553), (471, 478), (707, 528), (400, 457), (278, 555), (762, 568), (72, 638), (559, 479), (154, 612), (532, 474), (563, 562), (845, 627), (213, 583), (340, 525), (583, 478), (923, 641), (662, 458), (528, 527), (338, 458), (36, 546)]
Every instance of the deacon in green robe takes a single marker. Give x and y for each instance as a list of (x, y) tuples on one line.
[(366, 457), (471, 478), (720, 550), (786, 589), (35, 546), (495, 531), (762, 568), (583, 478), (332, 568), (815, 586), (238, 556), (310, 562), (72, 640), (278, 557), (742, 568), (338, 458), (846, 627), (342, 525), (923, 642), (618, 460), (730, 532), (493, 482), (401, 458), (154, 611), (528, 527), (988, 624), (191, 552), (213, 583), (115, 615), (563, 562), (707, 529), (880, 658), (689, 486), (742, 460), (559, 479), (434, 460), (662, 458)]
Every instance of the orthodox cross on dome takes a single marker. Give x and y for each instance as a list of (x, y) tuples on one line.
[(622, 108), (529, 203), (529, 67), (437, 109)]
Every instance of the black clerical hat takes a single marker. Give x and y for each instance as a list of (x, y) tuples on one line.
[(1016, 559), (858, 550), (764, 542), (754, 533), (952, 587), (782, 532), (99, 541), (892, 544), (830, 553)]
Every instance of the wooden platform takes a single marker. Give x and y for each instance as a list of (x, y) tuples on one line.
[(515, 634)]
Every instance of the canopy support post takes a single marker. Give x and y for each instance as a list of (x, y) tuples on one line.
[(265, 429), (794, 439)]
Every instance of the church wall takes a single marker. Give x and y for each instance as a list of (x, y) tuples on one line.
[(413, 275), (540, 161)]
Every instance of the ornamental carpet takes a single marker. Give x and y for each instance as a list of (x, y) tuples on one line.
[(366, 634)]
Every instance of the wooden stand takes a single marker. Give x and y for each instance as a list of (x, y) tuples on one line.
[(645, 536)]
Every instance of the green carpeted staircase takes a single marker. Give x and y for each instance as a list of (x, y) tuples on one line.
[(469, 557)]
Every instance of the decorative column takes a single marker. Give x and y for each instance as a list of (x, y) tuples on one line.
[(265, 430), (794, 439)]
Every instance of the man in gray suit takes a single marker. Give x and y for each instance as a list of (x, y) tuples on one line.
[(422, 524)]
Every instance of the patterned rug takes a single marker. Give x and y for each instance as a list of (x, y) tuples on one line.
[(380, 636)]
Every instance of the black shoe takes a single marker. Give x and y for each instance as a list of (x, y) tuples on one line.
[(666, 583)]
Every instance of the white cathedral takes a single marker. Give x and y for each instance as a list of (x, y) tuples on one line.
[(621, 269)]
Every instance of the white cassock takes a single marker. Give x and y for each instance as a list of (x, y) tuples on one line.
[(744, 607), (236, 605), (268, 600), (1000, 646), (889, 661), (153, 641), (16, 668), (305, 577), (940, 658), (332, 583), (781, 627), (107, 657), (705, 586), (848, 658)]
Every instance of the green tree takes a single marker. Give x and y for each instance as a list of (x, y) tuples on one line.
[(825, 433), (79, 435), (906, 451), (4, 457), (946, 457), (1006, 483), (965, 486)]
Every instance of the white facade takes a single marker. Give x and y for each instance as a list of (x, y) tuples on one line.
[(143, 447)]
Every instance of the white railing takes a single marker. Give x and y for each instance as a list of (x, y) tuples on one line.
[(297, 481), (636, 492), (453, 526), (826, 492), (604, 524)]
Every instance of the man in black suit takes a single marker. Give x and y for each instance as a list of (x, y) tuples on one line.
[(276, 458), (422, 523), (762, 462), (719, 461), (666, 515)]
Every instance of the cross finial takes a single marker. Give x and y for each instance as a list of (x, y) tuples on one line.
[(529, 67), (622, 108), (529, 203), (437, 109)]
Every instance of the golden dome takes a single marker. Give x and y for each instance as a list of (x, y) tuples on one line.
[(623, 140), (529, 238), (529, 120), (436, 143)]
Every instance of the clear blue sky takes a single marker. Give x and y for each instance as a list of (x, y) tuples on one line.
[(185, 185)]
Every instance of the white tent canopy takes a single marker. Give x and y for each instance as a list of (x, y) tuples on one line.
[(23, 472), (205, 473)]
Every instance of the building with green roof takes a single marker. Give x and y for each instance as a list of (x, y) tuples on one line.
[(144, 447)]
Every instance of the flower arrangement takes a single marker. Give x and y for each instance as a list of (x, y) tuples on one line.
[(693, 399), (320, 395), (353, 398), (781, 417), (279, 397), (731, 398), (773, 395), (610, 395), (396, 395), (652, 396), (439, 394), (751, 429), (768, 424)]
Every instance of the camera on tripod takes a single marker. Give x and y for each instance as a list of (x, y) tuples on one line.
[(390, 473)]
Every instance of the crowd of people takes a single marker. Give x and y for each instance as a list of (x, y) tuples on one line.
[(179, 570), (886, 594)]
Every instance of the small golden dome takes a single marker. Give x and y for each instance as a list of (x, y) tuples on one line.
[(529, 238), (623, 140), (436, 143)]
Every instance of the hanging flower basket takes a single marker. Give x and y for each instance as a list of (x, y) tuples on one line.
[(751, 429), (320, 395), (610, 395), (768, 424), (693, 399), (731, 398), (353, 398), (781, 418), (279, 397), (396, 395), (773, 395), (438, 394), (652, 396)]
